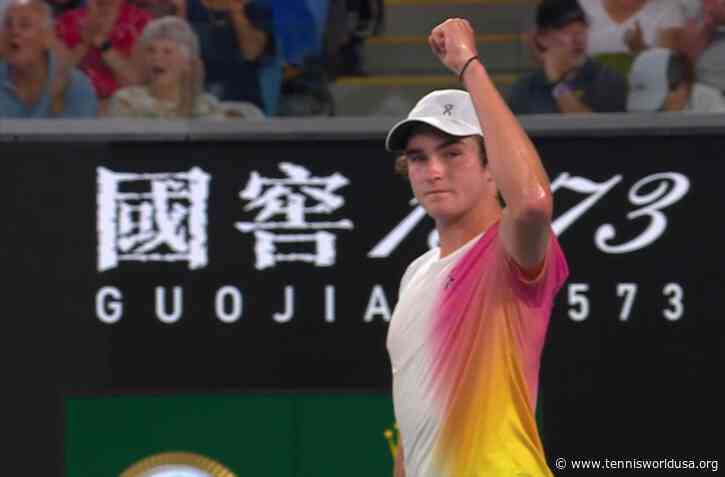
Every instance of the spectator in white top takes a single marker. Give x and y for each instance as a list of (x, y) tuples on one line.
[(664, 80), (620, 29)]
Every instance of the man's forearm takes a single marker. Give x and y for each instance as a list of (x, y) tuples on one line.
[(251, 40), (513, 160)]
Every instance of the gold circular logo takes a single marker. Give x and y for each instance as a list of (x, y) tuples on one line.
[(177, 464)]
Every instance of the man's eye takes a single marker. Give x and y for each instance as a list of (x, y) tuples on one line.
[(452, 154), (415, 158)]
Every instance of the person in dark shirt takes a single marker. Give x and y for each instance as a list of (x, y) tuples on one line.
[(236, 39), (568, 80)]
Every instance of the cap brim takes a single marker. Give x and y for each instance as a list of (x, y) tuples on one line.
[(398, 136)]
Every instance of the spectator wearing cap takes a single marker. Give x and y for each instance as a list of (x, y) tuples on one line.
[(664, 80), (704, 42), (101, 37), (33, 82), (173, 76), (620, 29), (568, 81)]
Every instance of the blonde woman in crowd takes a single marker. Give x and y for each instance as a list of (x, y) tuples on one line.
[(173, 76)]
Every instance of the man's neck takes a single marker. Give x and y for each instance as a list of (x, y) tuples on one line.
[(453, 235)]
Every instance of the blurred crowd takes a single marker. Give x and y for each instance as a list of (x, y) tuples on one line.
[(177, 58), (625, 55), (258, 58)]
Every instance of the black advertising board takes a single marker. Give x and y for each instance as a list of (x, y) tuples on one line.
[(217, 266)]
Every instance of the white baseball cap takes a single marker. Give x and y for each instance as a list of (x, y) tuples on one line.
[(648, 85), (450, 110)]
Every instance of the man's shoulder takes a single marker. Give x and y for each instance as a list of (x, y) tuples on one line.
[(416, 265)]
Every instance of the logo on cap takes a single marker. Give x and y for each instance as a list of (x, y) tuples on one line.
[(448, 109)]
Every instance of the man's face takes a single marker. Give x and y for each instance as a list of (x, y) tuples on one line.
[(447, 175), (25, 34), (570, 40)]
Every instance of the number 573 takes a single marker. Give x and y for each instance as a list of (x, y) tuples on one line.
[(579, 304)]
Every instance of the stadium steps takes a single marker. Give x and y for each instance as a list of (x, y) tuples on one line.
[(401, 67)]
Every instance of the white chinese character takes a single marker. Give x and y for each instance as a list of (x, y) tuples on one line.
[(157, 217), (287, 198)]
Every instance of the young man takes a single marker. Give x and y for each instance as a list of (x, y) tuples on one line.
[(466, 336), (568, 81)]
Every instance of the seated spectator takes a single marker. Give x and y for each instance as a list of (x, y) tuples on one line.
[(704, 42), (237, 40), (33, 83), (620, 29), (568, 81), (101, 37), (173, 76), (664, 80)]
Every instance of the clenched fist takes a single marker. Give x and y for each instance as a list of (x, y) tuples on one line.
[(454, 43)]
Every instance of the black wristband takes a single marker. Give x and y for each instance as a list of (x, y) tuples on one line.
[(463, 70), (105, 46)]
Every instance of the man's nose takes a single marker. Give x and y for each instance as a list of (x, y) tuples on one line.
[(434, 167)]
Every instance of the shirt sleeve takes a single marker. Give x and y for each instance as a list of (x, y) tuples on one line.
[(541, 289), (80, 98)]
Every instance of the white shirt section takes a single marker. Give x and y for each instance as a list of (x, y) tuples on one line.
[(706, 99), (417, 413), (607, 36)]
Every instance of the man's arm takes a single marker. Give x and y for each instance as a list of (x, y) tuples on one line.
[(399, 468), (251, 40), (513, 160)]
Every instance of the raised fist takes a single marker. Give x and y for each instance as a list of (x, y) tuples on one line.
[(454, 43)]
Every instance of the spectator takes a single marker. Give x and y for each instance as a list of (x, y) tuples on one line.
[(664, 80), (568, 81), (173, 76), (33, 83), (101, 37), (704, 42), (620, 29), (62, 6), (236, 42)]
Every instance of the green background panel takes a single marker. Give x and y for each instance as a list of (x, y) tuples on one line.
[(245, 433), (343, 435), (291, 435)]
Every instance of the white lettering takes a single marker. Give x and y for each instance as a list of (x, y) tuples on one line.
[(161, 312), (377, 305), (109, 307), (577, 298), (235, 296), (652, 203), (329, 303), (289, 306)]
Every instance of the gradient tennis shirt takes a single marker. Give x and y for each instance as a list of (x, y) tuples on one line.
[(465, 344)]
